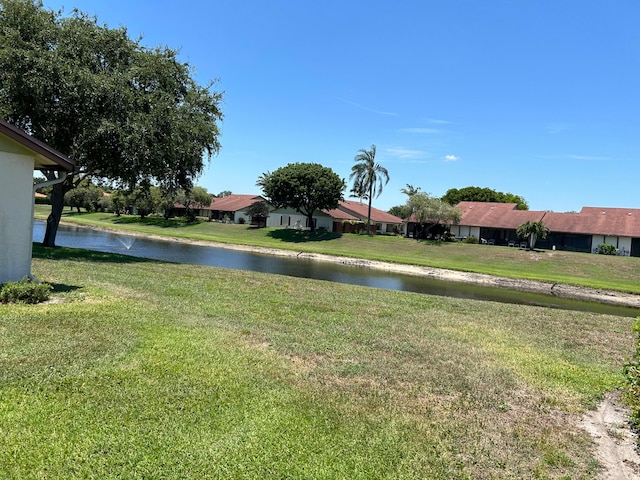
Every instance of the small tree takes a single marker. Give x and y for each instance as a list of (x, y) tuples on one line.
[(192, 197), (257, 211), (305, 187), (532, 230), (426, 208), (86, 196)]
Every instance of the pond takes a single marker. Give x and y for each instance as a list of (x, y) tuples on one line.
[(172, 251)]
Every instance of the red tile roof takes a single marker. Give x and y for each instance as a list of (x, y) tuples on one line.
[(623, 222), (495, 215), (360, 210), (338, 214), (234, 202)]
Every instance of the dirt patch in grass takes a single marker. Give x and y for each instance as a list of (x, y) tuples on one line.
[(617, 443)]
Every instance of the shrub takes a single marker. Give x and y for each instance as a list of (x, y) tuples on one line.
[(470, 239), (24, 291), (606, 249), (632, 377)]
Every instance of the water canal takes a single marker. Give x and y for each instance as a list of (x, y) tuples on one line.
[(178, 252)]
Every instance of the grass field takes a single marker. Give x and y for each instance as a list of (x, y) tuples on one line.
[(596, 271), (142, 369)]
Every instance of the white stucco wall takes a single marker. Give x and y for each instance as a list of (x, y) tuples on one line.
[(16, 215), (289, 218), (240, 214), (464, 231), (623, 244)]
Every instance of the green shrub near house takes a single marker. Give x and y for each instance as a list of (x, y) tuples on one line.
[(24, 291), (607, 249)]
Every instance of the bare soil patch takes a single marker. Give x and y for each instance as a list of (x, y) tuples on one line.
[(616, 441)]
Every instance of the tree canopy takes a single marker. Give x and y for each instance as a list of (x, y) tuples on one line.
[(305, 187), (368, 178), (126, 114), (426, 208), (477, 194)]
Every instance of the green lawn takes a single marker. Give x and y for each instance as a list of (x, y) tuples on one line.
[(143, 369), (596, 271)]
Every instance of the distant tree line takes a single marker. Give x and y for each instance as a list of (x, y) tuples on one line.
[(452, 197), (144, 200), (477, 194)]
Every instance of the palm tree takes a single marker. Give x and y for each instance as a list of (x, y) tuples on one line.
[(368, 176), (410, 191), (359, 193), (263, 180), (533, 230)]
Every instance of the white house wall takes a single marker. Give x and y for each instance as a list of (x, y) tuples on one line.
[(463, 231), (16, 215), (623, 244), (289, 218)]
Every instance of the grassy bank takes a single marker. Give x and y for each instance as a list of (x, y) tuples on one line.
[(595, 271), (142, 369)]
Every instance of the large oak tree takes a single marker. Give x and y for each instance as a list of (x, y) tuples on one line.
[(305, 187), (125, 113)]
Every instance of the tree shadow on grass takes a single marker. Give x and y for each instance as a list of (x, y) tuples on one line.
[(301, 236), (152, 222), (64, 288), (66, 253)]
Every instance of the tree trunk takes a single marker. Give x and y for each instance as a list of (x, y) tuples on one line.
[(369, 212), (57, 205), (312, 226)]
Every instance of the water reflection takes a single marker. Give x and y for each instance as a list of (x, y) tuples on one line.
[(166, 250)]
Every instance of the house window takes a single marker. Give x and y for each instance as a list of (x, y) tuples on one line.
[(315, 222), (285, 220)]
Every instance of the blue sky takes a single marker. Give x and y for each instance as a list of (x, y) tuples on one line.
[(537, 98)]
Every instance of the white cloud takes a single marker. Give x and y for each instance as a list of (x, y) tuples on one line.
[(451, 158), (368, 109), (438, 121), (405, 152), (422, 130), (588, 158)]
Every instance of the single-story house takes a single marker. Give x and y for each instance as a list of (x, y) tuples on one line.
[(348, 217), (289, 218), (582, 232), (231, 207), (383, 221), (492, 222), (20, 155)]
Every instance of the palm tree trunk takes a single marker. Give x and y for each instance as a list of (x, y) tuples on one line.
[(369, 210)]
